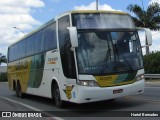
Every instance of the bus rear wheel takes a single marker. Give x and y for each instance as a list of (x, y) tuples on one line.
[(18, 91), (57, 98)]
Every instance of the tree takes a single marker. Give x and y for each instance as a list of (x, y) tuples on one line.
[(148, 19), (151, 63), (3, 77), (2, 59)]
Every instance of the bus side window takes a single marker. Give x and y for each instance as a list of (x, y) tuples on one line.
[(39, 41), (23, 47), (11, 54), (30, 45), (16, 51), (50, 37)]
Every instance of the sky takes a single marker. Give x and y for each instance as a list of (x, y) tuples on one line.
[(27, 15)]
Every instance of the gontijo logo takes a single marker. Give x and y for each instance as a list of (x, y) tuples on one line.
[(21, 65), (52, 60)]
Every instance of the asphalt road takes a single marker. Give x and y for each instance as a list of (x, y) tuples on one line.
[(149, 101)]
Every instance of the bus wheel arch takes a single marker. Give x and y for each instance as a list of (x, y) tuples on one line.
[(14, 85), (54, 82), (55, 91)]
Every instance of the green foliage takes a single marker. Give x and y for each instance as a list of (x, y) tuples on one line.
[(3, 77), (149, 18), (152, 63), (3, 59)]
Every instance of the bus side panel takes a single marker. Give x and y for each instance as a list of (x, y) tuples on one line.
[(46, 70), (24, 73), (36, 72), (11, 74)]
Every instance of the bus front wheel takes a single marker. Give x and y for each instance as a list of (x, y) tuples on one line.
[(59, 103)]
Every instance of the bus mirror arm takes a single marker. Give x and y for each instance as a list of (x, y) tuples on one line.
[(145, 46), (148, 36), (73, 37), (72, 49)]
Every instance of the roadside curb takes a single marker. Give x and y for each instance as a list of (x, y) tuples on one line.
[(3, 82)]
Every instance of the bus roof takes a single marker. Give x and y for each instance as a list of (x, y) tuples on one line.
[(98, 11), (63, 14)]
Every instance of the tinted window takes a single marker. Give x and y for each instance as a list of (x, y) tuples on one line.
[(102, 21), (11, 53), (17, 48), (67, 57), (13, 56), (30, 45), (50, 37), (39, 41), (14, 49), (23, 46)]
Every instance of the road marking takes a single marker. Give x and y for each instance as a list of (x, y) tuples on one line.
[(33, 108)]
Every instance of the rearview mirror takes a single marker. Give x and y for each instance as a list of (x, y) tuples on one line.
[(73, 36), (145, 36)]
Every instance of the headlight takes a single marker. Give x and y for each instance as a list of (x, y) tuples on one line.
[(140, 77), (91, 83)]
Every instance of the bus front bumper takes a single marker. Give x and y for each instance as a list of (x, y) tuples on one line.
[(92, 94)]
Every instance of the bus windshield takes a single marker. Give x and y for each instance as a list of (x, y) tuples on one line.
[(102, 51)]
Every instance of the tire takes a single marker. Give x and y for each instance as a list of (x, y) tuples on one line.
[(15, 90), (18, 91), (14, 86), (57, 98)]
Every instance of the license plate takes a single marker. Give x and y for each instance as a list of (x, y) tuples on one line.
[(117, 91)]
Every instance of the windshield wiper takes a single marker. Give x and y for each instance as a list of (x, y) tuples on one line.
[(126, 61), (108, 55)]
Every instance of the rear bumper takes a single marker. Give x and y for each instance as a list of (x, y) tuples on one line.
[(92, 94)]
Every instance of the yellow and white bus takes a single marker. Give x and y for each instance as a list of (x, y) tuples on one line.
[(80, 57)]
